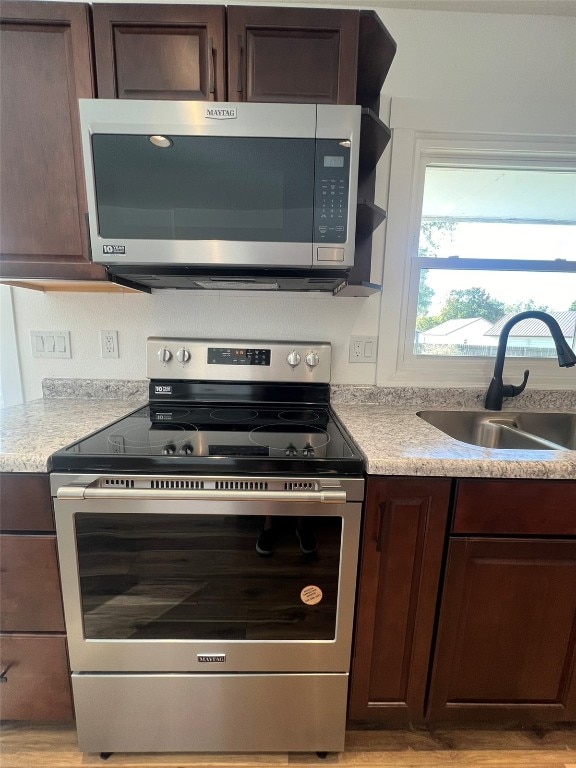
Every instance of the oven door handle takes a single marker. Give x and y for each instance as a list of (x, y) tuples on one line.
[(325, 496)]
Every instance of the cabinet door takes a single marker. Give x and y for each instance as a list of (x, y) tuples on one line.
[(25, 503), (44, 69), (404, 530), (36, 683), (159, 51), (507, 633), (305, 55), (30, 599)]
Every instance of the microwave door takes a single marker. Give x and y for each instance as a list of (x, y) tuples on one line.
[(203, 200)]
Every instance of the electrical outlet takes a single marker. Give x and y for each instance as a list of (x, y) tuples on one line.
[(50, 343), (362, 349), (109, 343)]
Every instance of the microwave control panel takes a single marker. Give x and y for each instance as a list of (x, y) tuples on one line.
[(331, 192)]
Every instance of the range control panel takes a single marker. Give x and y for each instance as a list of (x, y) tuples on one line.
[(304, 362)]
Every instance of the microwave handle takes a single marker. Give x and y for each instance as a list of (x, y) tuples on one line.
[(324, 496), (210, 65), (239, 84)]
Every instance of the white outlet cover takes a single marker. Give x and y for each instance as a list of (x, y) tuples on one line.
[(362, 349)]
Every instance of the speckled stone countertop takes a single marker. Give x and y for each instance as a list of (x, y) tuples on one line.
[(382, 421), (31, 432), (395, 441)]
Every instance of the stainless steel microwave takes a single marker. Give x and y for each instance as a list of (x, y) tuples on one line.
[(188, 192)]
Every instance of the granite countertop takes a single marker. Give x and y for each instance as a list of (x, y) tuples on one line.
[(71, 409), (382, 422), (395, 441)]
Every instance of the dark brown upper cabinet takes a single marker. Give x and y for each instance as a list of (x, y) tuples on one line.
[(292, 55), (45, 67), (160, 51)]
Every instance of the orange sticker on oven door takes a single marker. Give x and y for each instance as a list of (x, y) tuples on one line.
[(311, 595)]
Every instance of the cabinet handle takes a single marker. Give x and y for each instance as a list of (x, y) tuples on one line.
[(3, 677), (210, 65), (378, 537), (240, 51)]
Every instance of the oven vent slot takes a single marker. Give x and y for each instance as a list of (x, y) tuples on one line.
[(187, 485), (123, 482), (240, 485), (300, 486)]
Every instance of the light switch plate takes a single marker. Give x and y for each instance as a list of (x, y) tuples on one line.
[(50, 343)]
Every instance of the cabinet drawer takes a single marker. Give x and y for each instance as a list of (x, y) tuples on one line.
[(25, 502), (37, 683), (29, 586), (521, 507)]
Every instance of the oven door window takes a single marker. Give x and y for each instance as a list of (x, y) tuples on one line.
[(204, 188), (153, 576)]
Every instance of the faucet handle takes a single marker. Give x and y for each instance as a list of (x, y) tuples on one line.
[(509, 390)]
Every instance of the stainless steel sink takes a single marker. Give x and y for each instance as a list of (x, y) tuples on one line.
[(519, 430)]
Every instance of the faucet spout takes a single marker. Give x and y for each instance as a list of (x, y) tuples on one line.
[(497, 390)]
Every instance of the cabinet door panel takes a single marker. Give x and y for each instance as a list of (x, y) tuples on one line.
[(515, 507), (37, 681), (404, 529), (44, 69), (30, 598), (25, 503), (160, 51), (305, 55), (507, 632)]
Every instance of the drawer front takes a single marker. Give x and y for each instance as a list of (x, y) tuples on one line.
[(25, 502), (36, 680), (521, 507), (30, 599)]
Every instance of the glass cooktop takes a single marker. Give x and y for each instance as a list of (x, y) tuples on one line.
[(215, 437)]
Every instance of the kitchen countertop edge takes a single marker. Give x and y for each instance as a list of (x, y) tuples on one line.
[(383, 423)]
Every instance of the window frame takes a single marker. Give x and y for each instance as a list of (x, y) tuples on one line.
[(412, 152)]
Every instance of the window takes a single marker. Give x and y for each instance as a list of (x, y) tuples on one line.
[(479, 229), (493, 242)]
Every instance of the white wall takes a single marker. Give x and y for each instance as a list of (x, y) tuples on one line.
[(448, 56)]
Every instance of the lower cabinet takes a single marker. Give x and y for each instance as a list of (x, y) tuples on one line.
[(506, 643), (402, 543), (467, 604), (34, 676)]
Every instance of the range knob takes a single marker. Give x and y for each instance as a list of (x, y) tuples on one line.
[(164, 354), (182, 355), (169, 450), (291, 451), (308, 451), (293, 359), (312, 359), (186, 450)]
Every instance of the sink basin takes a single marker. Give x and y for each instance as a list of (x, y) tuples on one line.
[(522, 430)]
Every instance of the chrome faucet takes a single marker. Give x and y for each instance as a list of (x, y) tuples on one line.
[(497, 390)]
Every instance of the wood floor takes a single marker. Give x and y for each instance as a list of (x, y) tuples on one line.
[(24, 746)]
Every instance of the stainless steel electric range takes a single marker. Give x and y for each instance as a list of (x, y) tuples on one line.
[(208, 547)]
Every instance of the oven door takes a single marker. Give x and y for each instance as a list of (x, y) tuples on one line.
[(170, 581)]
